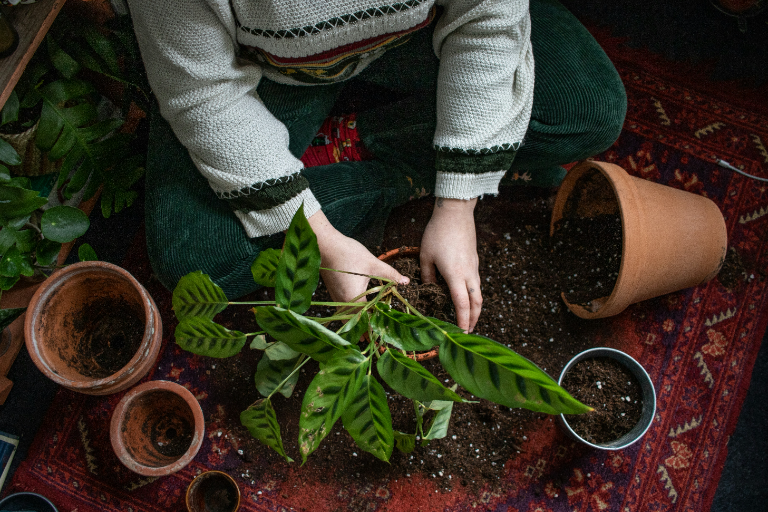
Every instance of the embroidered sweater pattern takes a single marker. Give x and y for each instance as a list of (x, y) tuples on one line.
[(205, 58)]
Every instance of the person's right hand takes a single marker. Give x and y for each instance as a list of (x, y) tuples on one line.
[(340, 252)]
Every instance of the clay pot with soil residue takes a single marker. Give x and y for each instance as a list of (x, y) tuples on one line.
[(93, 328), (670, 239), (157, 428), (213, 491)]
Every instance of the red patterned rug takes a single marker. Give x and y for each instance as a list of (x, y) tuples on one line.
[(698, 345)]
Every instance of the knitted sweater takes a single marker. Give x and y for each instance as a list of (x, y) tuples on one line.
[(204, 60)]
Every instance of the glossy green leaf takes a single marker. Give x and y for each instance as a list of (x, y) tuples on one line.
[(328, 396), (412, 380), (10, 112), (6, 283), (18, 202), (14, 263), (8, 155), (406, 443), (7, 316), (408, 332), (64, 223), (356, 327), (196, 295), (7, 239), (368, 420), (264, 267), (280, 352), (60, 59), (490, 370), (269, 375), (26, 239), (261, 422), (298, 270), (207, 338), (86, 253), (47, 252), (300, 333)]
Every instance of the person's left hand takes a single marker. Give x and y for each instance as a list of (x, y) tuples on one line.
[(450, 244)]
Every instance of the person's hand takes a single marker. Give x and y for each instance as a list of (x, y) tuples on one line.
[(343, 253), (450, 244)]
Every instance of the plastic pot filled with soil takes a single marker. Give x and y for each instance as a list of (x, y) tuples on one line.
[(620, 239), (213, 491), (619, 390), (93, 328), (157, 428)]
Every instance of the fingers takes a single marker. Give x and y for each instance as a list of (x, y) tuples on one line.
[(427, 269), (384, 270), (475, 304)]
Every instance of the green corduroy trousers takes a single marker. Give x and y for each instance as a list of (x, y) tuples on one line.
[(578, 110)]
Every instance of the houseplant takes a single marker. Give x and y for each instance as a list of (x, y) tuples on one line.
[(157, 428), (670, 239), (345, 387)]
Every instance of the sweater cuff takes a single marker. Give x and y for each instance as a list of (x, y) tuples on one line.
[(268, 222), (466, 176)]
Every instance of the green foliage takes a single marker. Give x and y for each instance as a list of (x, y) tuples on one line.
[(347, 384)]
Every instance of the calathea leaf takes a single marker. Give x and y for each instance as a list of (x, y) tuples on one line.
[(298, 270), (354, 329), (328, 396), (206, 338), (261, 422), (412, 380), (368, 419), (259, 342), (269, 375), (491, 371), (406, 443), (300, 333), (264, 267), (197, 295), (438, 428), (280, 352), (408, 332)]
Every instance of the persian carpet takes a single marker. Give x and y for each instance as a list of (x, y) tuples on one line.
[(698, 345)]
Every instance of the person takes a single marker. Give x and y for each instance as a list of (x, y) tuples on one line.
[(484, 88)]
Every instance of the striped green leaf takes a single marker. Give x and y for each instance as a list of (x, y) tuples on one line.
[(197, 295), (438, 428), (264, 267), (270, 373), (354, 329), (280, 352), (368, 420), (300, 333), (298, 270), (412, 380), (261, 422), (207, 338), (408, 332), (328, 396), (406, 443), (491, 371)]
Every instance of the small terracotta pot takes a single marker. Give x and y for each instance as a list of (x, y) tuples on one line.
[(157, 428), (646, 387), (671, 239), (93, 328), (389, 257), (213, 491)]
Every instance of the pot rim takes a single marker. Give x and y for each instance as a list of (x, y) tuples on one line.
[(205, 474), (51, 285), (646, 385), (118, 414), (9, 498)]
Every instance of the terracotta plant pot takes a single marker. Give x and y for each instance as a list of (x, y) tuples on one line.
[(671, 239), (93, 328), (646, 388), (157, 428), (389, 257), (213, 491)]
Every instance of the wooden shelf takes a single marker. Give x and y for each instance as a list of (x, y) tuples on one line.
[(32, 22)]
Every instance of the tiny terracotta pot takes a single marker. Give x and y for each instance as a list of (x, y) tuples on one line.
[(671, 239), (389, 257), (157, 428), (93, 328), (646, 388), (213, 491)]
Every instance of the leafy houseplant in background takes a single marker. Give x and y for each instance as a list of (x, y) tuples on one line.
[(346, 386), (58, 117)]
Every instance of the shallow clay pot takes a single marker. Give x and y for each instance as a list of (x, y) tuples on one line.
[(672, 239), (646, 387), (157, 428), (93, 328), (389, 257), (213, 491)]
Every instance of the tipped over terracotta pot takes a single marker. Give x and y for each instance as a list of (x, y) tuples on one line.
[(157, 428), (671, 239), (93, 328)]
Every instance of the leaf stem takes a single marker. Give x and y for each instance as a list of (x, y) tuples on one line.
[(301, 362)]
